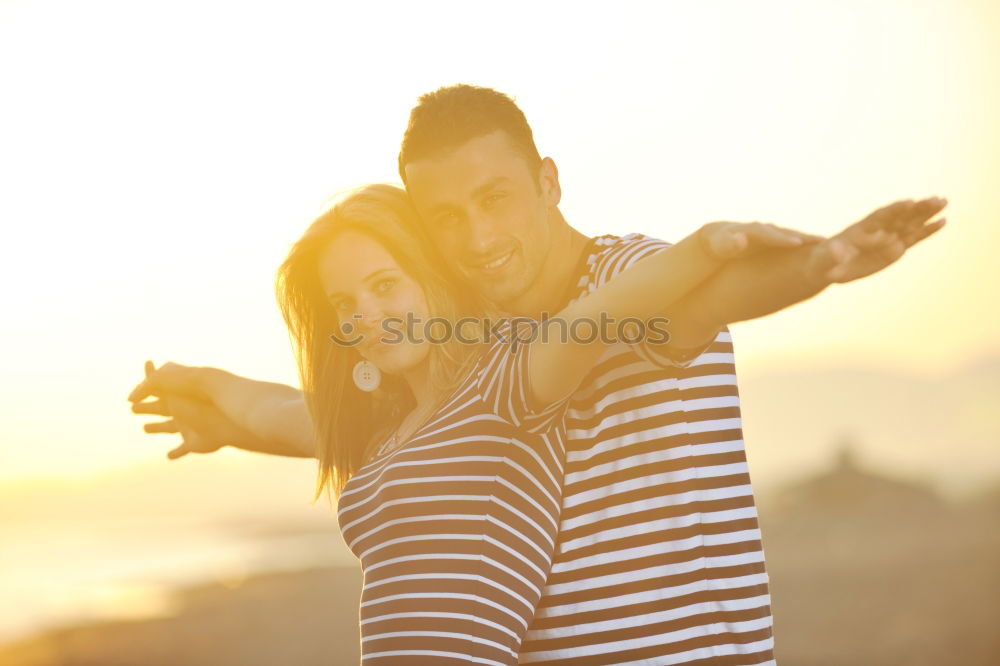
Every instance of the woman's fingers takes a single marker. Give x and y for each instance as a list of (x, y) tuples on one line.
[(182, 450), (158, 407), (903, 214), (912, 238), (161, 426), (922, 211), (143, 389), (887, 217)]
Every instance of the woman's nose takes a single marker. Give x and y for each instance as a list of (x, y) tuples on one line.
[(367, 320)]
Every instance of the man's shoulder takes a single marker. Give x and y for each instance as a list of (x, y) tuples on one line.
[(612, 254)]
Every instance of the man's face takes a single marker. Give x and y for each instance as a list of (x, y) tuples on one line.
[(487, 213)]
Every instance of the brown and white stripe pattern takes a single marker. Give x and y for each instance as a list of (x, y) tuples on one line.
[(659, 558), (455, 530)]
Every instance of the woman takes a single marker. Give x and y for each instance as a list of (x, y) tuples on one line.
[(446, 457)]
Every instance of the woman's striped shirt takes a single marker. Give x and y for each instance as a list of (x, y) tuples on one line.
[(659, 559), (455, 530)]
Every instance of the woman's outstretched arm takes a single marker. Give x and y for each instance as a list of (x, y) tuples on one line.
[(225, 409)]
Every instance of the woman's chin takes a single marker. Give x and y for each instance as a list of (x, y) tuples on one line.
[(394, 361)]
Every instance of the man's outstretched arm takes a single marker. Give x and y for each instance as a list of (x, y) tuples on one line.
[(775, 278)]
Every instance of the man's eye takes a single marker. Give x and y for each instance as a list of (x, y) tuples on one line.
[(341, 306), (447, 220), (493, 199)]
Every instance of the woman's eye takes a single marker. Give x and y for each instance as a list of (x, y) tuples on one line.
[(448, 220), (384, 286)]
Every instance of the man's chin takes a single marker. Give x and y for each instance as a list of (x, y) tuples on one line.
[(502, 291)]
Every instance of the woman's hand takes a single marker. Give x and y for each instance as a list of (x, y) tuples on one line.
[(213, 408), (200, 423), (170, 378)]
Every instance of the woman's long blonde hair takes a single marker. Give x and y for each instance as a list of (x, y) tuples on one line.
[(346, 420)]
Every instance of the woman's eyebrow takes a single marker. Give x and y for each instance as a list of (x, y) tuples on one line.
[(367, 278)]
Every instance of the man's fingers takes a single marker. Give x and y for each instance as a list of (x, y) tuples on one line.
[(158, 407), (727, 240), (732, 245), (772, 234), (161, 426)]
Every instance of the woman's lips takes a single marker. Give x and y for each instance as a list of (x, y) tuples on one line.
[(376, 344)]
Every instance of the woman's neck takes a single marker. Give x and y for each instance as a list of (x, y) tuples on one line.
[(418, 378)]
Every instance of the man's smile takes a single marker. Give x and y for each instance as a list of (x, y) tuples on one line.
[(495, 264)]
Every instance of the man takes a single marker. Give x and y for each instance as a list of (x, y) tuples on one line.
[(659, 559)]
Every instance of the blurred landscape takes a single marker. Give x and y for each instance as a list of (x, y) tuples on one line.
[(879, 497), (159, 159)]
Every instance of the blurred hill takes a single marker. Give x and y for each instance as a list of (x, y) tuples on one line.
[(940, 429), (871, 569)]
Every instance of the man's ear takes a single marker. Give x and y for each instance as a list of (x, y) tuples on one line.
[(548, 181)]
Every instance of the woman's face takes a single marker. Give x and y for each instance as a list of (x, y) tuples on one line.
[(365, 286)]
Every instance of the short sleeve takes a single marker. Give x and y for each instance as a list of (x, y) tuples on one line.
[(664, 355), (503, 380)]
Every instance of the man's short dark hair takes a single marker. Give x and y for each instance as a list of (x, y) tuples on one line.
[(446, 118)]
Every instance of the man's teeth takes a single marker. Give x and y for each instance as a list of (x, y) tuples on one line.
[(498, 262)]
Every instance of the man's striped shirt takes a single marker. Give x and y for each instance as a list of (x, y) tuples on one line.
[(659, 558)]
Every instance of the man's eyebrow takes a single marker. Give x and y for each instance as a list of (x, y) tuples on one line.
[(367, 278), (486, 187), (478, 192)]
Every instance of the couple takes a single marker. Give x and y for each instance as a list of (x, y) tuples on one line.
[(516, 494)]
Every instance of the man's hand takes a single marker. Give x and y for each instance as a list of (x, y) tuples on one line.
[(728, 240), (875, 242), (760, 283)]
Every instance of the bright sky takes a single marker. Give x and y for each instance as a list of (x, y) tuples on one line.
[(158, 158)]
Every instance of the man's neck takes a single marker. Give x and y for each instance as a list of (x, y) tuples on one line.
[(547, 292)]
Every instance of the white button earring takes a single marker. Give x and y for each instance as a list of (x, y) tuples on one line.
[(366, 375)]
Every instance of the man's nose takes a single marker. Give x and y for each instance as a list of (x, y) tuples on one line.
[(480, 235)]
